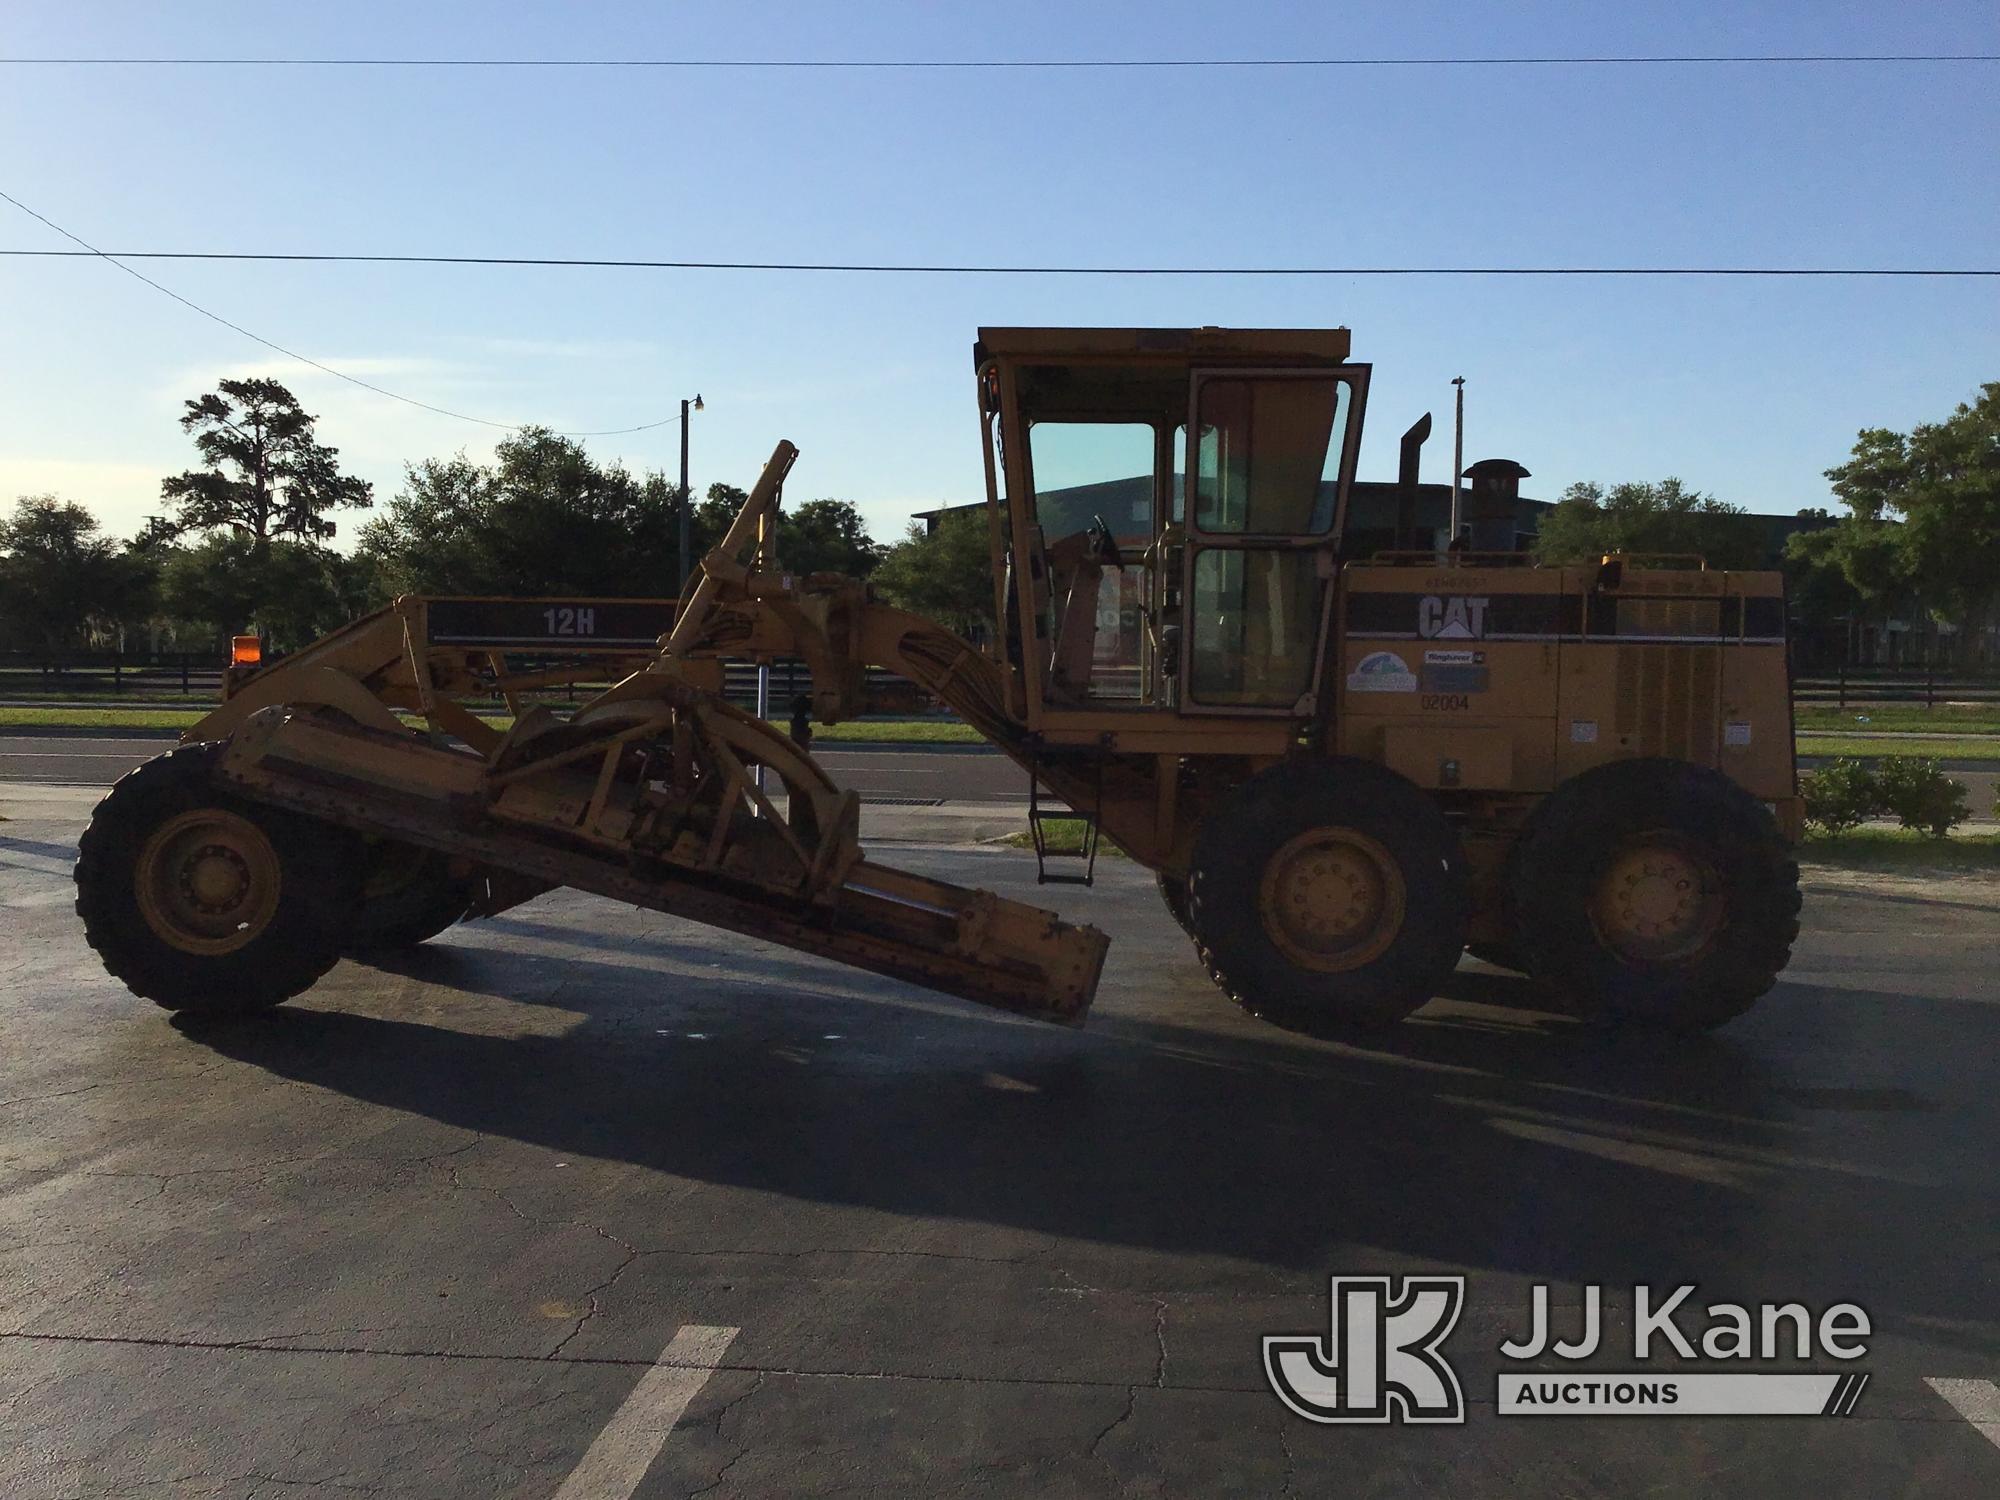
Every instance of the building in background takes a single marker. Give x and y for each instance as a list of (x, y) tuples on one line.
[(1371, 519)]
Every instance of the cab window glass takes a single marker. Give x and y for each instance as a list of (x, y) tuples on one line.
[(1084, 470), (1267, 460), (1255, 618), (1178, 512)]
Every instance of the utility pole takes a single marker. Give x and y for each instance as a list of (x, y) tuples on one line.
[(767, 546), (1457, 460), (686, 505)]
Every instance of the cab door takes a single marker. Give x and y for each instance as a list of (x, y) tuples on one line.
[(1269, 463)]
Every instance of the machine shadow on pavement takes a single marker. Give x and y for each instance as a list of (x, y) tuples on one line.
[(49, 849), (1488, 1140)]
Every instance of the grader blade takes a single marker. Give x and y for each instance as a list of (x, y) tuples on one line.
[(973, 944)]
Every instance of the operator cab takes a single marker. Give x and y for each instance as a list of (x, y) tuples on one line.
[(1115, 594)]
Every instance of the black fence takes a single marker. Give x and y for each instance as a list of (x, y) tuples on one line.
[(1930, 687), (188, 673), (197, 677)]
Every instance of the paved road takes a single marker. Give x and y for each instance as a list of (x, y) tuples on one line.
[(584, 1202), (76, 759), (955, 776), (943, 773)]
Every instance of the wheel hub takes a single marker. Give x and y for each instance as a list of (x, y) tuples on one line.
[(1658, 902), (216, 879), (207, 881), (1332, 899)]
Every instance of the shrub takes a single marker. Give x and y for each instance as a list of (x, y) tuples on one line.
[(1920, 795), (1840, 796)]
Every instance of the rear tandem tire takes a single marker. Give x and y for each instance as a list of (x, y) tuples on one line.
[(408, 896), (202, 901), (1173, 891), (1327, 895), (1654, 892)]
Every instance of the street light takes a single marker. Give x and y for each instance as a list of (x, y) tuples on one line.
[(687, 563)]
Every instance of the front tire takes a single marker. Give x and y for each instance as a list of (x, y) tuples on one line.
[(199, 900), (1328, 894), (1655, 892)]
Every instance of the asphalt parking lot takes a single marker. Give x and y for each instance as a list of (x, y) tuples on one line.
[(588, 1202)]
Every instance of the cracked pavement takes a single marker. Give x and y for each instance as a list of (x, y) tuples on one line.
[(421, 1232)]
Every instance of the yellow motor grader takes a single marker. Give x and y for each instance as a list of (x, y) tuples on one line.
[(1345, 770)]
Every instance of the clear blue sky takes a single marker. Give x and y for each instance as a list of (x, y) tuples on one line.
[(1748, 389)]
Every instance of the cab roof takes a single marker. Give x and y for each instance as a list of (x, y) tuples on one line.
[(1284, 346)]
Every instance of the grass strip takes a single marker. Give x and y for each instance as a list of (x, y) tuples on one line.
[(1904, 850), (99, 718), (1868, 747), (1063, 836), (1982, 718), (896, 731)]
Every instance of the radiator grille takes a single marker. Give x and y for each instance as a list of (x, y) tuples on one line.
[(1682, 617), (1667, 700)]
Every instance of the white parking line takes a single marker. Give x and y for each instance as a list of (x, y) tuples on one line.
[(1978, 1401), (632, 1439)]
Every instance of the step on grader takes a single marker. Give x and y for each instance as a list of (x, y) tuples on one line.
[(1345, 770)]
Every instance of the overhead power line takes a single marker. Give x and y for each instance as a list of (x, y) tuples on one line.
[(918, 269), (1766, 59), (91, 251)]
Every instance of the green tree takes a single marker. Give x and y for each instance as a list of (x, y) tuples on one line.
[(158, 535), (358, 583), (709, 522), (1840, 578), (543, 518), (944, 574), (62, 582), (826, 536), (1589, 521), (267, 475), (820, 536), (1855, 568), (427, 540), (1941, 480), (230, 583)]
